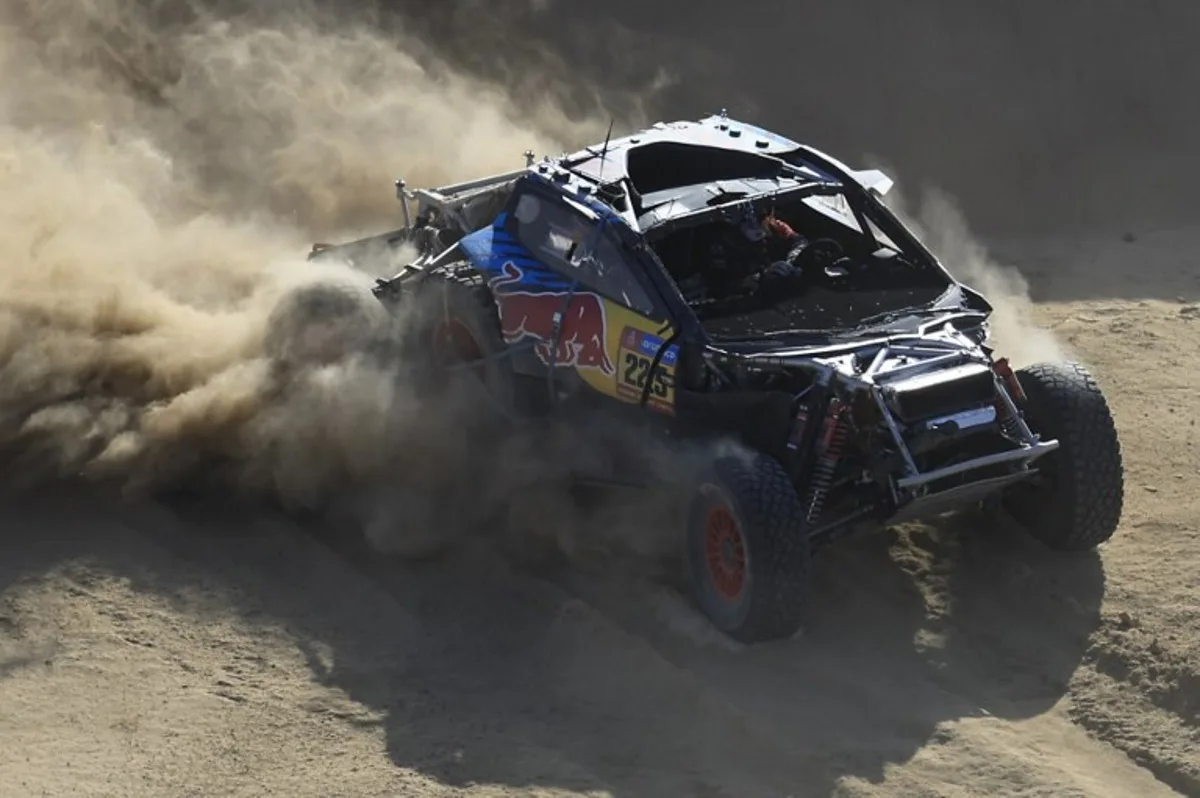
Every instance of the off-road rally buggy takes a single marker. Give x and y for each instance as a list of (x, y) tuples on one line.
[(727, 282)]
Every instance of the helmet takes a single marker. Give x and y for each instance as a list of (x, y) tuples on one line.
[(749, 224)]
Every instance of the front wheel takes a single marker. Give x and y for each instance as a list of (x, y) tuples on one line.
[(748, 549), (1075, 503)]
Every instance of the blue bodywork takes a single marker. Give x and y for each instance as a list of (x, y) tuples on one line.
[(490, 248)]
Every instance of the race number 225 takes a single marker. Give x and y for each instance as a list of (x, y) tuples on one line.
[(635, 369)]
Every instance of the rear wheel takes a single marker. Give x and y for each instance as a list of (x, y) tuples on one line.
[(1075, 503), (452, 357), (748, 549), (460, 337)]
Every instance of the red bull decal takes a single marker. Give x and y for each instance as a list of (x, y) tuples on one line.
[(527, 314)]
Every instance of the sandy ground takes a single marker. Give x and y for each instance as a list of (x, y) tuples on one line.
[(200, 651), (207, 648)]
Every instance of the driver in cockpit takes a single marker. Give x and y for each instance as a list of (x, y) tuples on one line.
[(752, 254)]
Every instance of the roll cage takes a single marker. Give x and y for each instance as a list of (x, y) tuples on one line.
[(576, 185)]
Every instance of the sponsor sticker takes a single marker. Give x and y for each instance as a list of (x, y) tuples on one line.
[(635, 356)]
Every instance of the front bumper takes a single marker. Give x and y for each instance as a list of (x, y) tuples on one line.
[(986, 391), (934, 504)]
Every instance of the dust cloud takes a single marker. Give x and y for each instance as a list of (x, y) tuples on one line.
[(163, 171), (941, 224)]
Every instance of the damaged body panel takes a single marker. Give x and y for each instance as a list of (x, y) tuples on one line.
[(727, 282)]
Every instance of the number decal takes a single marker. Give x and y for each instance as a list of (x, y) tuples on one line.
[(638, 351), (631, 366), (637, 367), (663, 383)]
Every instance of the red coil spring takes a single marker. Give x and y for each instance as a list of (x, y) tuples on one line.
[(833, 441)]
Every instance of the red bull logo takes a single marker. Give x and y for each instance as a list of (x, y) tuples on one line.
[(525, 314)]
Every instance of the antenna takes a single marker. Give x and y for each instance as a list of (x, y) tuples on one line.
[(604, 151)]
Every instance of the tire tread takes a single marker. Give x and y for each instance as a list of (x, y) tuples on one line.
[(1068, 401), (773, 524)]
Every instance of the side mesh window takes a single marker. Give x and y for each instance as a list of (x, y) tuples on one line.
[(577, 248)]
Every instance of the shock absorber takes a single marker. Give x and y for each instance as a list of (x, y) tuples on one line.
[(829, 452), (1009, 421)]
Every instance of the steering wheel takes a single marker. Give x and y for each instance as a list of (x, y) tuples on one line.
[(821, 255)]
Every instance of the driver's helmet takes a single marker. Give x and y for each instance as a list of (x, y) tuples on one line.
[(749, 224)]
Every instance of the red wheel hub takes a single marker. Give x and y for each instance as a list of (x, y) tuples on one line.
[(725, 552)]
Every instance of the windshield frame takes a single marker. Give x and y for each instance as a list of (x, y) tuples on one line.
[(871, 216)]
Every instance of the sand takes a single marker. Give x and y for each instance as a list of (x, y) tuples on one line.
[(212, 646)]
